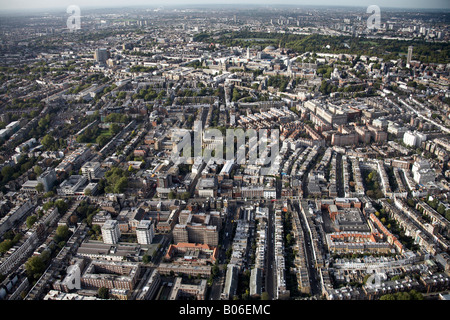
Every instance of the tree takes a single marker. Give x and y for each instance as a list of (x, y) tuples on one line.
[(441, 209), (114, 128), (102, 140), (34, 267), (172, 195), (48, 142), (236, 95), (62, 206), (416, 295), (146, 258), (214, 270), (7, 172), (44, 122), (37, 170), (62, 233), (96, 228), (103, 293), (387, 297), (402, 296), (412, 84), (40, 187), (121, 95), (31, 220), (289, 239), (185, 195), (87, 192), (6, 245), (121, 185)]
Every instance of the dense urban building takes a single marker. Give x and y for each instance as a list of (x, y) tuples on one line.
[(225, 153)]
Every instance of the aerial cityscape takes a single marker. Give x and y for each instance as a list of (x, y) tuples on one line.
[(225, 152)]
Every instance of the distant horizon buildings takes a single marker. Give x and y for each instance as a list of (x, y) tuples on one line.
[(53, 4)]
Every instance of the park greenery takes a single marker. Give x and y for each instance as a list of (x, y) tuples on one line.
[(392, 225), (388, 49), (411, 295), (149, 94), (116, 180), (372, 185), (143, 69), (99, 136), (439, 207), (280, 82)]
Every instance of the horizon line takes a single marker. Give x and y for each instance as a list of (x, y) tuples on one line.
[(209, 5)]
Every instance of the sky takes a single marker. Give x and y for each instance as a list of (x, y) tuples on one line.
[(46, 4)]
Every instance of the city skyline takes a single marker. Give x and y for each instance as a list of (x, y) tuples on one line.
[(54, 4)]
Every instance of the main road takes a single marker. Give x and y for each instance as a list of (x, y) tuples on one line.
[(225, 243), (269, 270)]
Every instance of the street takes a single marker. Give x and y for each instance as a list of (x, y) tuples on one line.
[(314, 277)]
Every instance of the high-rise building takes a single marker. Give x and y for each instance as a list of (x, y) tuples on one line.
[(180, 233), (197, 228), (410, 52), (145, 232), (101, 55), (414, 139), (47, 179), (111, 232), (164, 180)]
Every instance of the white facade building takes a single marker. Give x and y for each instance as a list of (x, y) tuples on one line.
[(414, 139), (90, 170), (422, 172), (145, 232), (111, 232), (70, 186)]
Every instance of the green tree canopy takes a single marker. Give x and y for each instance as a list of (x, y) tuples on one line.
[(62, 233), (7, 172), (40, 187), (37, 170), (5, 245), (34, 267), (103, 293), (48, 142), (62, 206), (31, 220)]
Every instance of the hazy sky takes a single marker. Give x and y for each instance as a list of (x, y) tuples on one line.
[(44, 4)]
